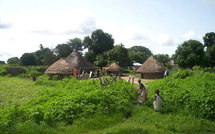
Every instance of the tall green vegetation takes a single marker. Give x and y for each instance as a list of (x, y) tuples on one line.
[(191, 92), (68, 100)]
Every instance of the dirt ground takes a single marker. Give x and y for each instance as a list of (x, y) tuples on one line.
[(145, 81)]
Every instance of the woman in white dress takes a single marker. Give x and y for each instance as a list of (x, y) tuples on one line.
[(157, 100)]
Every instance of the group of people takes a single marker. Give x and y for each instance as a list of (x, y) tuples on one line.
[(142, 96)]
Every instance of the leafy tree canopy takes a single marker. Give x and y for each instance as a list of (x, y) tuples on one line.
[(162, 58), (13, 60), (28, 59), (2, 63), (44, 56), (119, 54), (209, 42), (75, 43), (139, 54), (209, 39), (63, 50), (98, 42), (189, 54), (101, 60)]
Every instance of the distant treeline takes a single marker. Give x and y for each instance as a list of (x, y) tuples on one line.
[(102, 52)]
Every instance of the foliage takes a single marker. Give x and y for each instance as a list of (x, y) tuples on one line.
[(44, 56), (98, 43), (119, 54), (69, 100), (63, 50), (101, 60), (28, 59), (189, 54), (76, 43), (3, 70), (209, 42), (162, 58), (90, 56), (189, 91), (209, 39), (13, 60), (139, 54), (2, 62), (143, 119)]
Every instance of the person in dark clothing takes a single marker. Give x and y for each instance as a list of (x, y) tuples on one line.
[(98, 72), (142, 95)]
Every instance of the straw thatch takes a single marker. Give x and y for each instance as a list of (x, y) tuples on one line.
[(75, 59), (66, 66), (60, 67), (152, 68), (114, 68)]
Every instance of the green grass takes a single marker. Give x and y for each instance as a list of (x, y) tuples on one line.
[(17, 90), (143, 120)]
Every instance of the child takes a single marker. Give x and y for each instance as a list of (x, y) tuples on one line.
[(157, 100)]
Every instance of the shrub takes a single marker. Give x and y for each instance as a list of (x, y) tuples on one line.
[(194, 94)]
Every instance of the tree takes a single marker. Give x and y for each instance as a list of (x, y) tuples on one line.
[(63, 50), (44, 56), (209, 42), (189, 54), (119, 54), (139, 54), (28, 59), (209, 39), (101, 60), (98, 43), (13, 60), (162, 58), (75, 43), (90, 56), (2, 62)]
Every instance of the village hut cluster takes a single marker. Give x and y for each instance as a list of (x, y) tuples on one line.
[(150, 69), (66, 66)]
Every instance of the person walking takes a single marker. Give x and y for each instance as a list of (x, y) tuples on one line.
[(157, 100), (142, 95)]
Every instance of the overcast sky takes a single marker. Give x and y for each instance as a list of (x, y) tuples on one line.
[(160, 25)]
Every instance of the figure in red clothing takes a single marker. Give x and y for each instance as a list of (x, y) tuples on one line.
[(75, 71)]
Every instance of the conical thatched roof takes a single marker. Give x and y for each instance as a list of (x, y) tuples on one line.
[(67, 65), (114, 67), (59, 67), (75, 59), (151, 65)]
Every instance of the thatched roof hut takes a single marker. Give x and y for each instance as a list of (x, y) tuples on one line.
[(75, 59), (66, 66), (152, 69), (114, 68), (60, 67)]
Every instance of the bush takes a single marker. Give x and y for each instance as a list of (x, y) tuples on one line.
[(194, 94), (70, 99)]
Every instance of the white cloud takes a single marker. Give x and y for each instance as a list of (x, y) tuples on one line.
[(31, 29), (189, 35)]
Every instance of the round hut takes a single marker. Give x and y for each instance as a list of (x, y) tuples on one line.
[(60, 68), (152, 69), (114, 68), (66, 66), (76, 60)]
